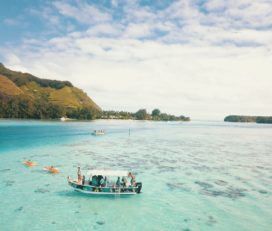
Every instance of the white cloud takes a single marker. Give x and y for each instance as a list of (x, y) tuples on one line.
[(114, 3), (215, 5), (82, 12), (11, 22), (180, 59), (138, 30), (243, 13), (198, 81), (16, 62), (47, 14), (105, 29), (135, 13)]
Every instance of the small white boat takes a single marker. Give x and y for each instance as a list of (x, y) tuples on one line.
[(63, 119), (107, 182), (98, 132)]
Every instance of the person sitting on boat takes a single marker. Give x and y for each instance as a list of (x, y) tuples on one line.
[(118, 183), (94, 180), (125, 183), (103, 182), (99, 178)]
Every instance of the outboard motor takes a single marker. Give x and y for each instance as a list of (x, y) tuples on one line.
[(139, 187)]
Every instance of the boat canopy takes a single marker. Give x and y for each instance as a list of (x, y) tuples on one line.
[(97, 172)]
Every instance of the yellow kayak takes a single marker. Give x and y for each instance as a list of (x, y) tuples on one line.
[(51, 169), (29, 163)]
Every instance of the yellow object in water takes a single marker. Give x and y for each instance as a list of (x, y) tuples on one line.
[(51, 169), (29, 163)]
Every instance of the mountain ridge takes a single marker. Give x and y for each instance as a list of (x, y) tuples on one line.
[(23, 95)]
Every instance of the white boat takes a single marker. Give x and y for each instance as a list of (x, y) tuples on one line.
[(98, 132), (107, 182), (63, 119)]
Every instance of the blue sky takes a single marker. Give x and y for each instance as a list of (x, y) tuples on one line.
[(201, 58), (22, 19)]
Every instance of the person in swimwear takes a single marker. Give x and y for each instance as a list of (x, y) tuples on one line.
[(79, 177)]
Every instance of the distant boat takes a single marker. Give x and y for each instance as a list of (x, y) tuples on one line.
[(63, 119), (98, 132), (106, 182)]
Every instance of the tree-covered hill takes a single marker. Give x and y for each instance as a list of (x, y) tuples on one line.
[(248, 119), (20, 79), (23, 95)]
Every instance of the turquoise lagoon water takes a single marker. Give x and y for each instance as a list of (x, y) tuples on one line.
[(195, 175)]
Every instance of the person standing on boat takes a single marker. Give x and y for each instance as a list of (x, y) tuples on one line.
[(79, 177), (133, 180)]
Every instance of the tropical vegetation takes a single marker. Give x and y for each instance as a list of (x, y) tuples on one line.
[(23, 95), (248, 119), (142, 114)]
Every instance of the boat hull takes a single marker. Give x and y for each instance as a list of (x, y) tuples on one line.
[(95, 190), (104, 193)]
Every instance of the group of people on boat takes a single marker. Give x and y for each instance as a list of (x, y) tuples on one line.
[(125, 182), (98, 132), (103, 181)]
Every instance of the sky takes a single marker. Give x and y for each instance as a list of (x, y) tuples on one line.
[(201, 58)]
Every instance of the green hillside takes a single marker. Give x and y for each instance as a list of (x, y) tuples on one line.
[(7, 87), (23, 95)]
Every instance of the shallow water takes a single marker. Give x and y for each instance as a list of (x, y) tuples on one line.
[(195, 175)]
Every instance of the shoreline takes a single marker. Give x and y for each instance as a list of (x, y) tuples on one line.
[(77, 120)]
